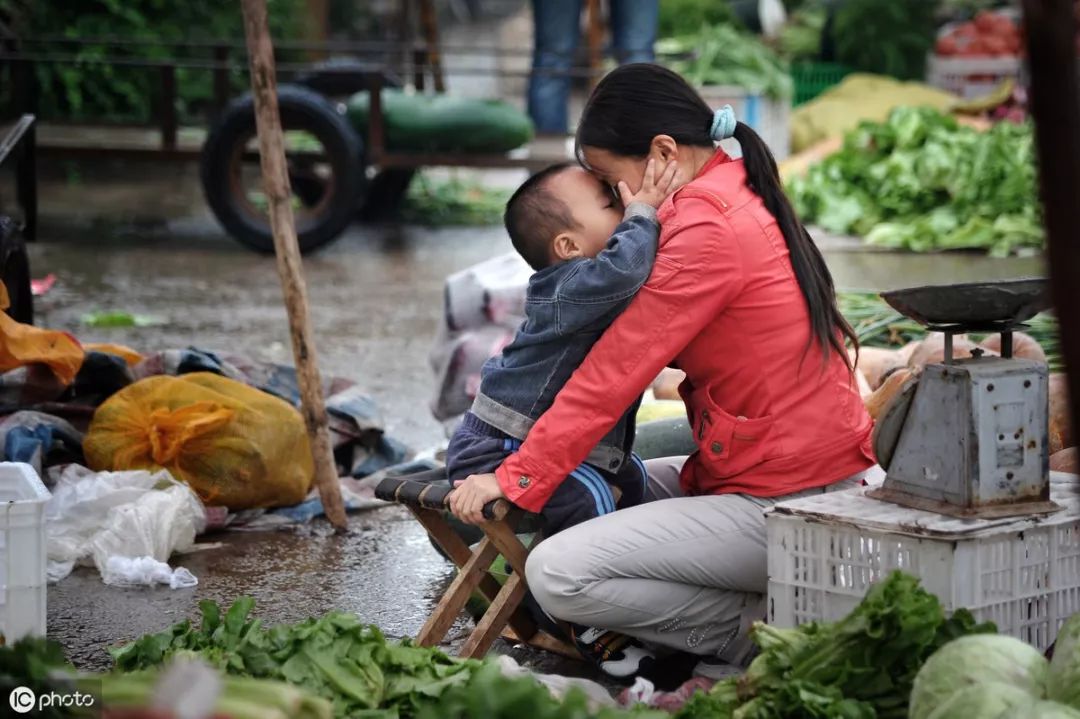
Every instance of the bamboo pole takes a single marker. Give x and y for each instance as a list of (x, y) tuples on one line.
[(1055, 107), (279, 196)]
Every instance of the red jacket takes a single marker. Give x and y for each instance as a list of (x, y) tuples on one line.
[(722, 304)]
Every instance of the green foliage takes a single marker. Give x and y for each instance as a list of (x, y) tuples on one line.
[(453, 202), (887, 38), (85, 88), (683, 17)]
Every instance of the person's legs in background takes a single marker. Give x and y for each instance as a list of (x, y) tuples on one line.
[(633, 29), (557, 29)]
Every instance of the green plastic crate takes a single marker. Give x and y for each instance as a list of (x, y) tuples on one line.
[(813, 78)]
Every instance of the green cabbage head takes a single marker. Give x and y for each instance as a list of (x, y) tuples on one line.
[(1063, 684), (1041, 710), (977, 659)]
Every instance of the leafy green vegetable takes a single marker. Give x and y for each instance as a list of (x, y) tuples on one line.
[(1063, 682), (977, 660), (921, 182), (335, 657), (860, 667), (453, 202), (723, 55), (1041, 710), (800, 38)]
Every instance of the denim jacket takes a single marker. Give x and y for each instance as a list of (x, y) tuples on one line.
[(567, 307)]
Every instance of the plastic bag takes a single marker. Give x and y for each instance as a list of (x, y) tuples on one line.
[(234, 445), (22, 345), (94, 517), (140, 571)]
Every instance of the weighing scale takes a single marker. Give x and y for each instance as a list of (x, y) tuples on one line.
[(968, 437)]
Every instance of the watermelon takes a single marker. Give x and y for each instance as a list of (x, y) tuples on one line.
[(443, 123)]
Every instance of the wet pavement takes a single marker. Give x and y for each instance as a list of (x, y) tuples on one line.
[(150, 248)]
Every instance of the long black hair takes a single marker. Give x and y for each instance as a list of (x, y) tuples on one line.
[(635, 103)]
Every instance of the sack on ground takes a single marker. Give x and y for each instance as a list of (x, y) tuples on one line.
[(234, 445)]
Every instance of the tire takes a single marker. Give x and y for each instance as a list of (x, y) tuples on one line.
[(332, 203), (341, 77)]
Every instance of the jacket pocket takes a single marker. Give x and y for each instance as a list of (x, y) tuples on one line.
[(732, 445)]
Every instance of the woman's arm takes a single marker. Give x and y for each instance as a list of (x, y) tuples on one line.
[(697, 274)]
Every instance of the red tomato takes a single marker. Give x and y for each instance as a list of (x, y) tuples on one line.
[(986, 22), (975, 48), (995, 45), (946, 46)]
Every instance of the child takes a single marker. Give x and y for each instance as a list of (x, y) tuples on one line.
[(590, 258)]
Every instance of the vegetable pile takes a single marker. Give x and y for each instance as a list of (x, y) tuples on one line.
[(860, 667), (723, 55), (920, 181), (354, 667)]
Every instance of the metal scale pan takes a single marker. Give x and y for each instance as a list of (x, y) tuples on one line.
[(919, 435)]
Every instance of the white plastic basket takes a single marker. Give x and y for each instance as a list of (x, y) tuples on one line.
[(770, 118), (22, 551), (1024, 575), (971, 77)]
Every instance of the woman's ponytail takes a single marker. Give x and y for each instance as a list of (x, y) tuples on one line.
[(815, 280)]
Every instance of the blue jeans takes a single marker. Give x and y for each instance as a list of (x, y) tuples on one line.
[(557, 27)]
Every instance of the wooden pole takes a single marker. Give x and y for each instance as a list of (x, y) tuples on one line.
[(1055, 106), (279, 196)]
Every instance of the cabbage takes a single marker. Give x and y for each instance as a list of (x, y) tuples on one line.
[(978, 659), (982, 701), (1041, 710), (1063, 683)]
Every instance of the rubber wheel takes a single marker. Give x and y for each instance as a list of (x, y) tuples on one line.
[(327, 204)]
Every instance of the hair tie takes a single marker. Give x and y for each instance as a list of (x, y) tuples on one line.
[(723, 123)]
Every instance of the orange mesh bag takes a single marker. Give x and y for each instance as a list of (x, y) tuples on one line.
[(234, 445)]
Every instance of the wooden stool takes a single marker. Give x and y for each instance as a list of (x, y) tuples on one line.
[(426, 495)]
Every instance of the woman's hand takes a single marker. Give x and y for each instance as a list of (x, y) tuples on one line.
[(653, 191), (470, 495)]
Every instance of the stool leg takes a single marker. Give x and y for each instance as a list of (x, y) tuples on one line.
[(495, 618), (459, 552), (453, 545), (451, 604)]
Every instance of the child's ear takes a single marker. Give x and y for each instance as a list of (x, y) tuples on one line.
[(565, 247)]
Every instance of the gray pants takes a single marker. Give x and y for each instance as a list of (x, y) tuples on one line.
[(687, 573)]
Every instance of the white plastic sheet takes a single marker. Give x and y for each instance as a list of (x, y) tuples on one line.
[(93, 517)]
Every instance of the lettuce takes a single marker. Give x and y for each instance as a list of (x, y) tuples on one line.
[(921, 182)]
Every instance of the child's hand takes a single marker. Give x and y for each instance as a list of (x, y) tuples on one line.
[(653, 191)]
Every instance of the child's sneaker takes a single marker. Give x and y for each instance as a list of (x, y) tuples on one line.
[(617, 655)]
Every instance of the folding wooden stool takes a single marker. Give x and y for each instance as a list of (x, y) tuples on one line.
[(426, 495)]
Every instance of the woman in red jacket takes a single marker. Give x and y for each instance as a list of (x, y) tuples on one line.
[(741, 300)]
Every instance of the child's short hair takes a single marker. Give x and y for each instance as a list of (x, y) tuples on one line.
[(534, 217)]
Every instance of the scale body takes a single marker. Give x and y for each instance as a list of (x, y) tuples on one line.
[(969, 437)]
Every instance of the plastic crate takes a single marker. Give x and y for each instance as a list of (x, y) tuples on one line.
[(971, 77), (1023, 574), (813, 78), (22, 551), (770, 118)]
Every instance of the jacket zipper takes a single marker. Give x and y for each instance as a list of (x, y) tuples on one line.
[(701, 428)]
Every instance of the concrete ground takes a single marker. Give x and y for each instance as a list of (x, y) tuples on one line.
[(138, 238)]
